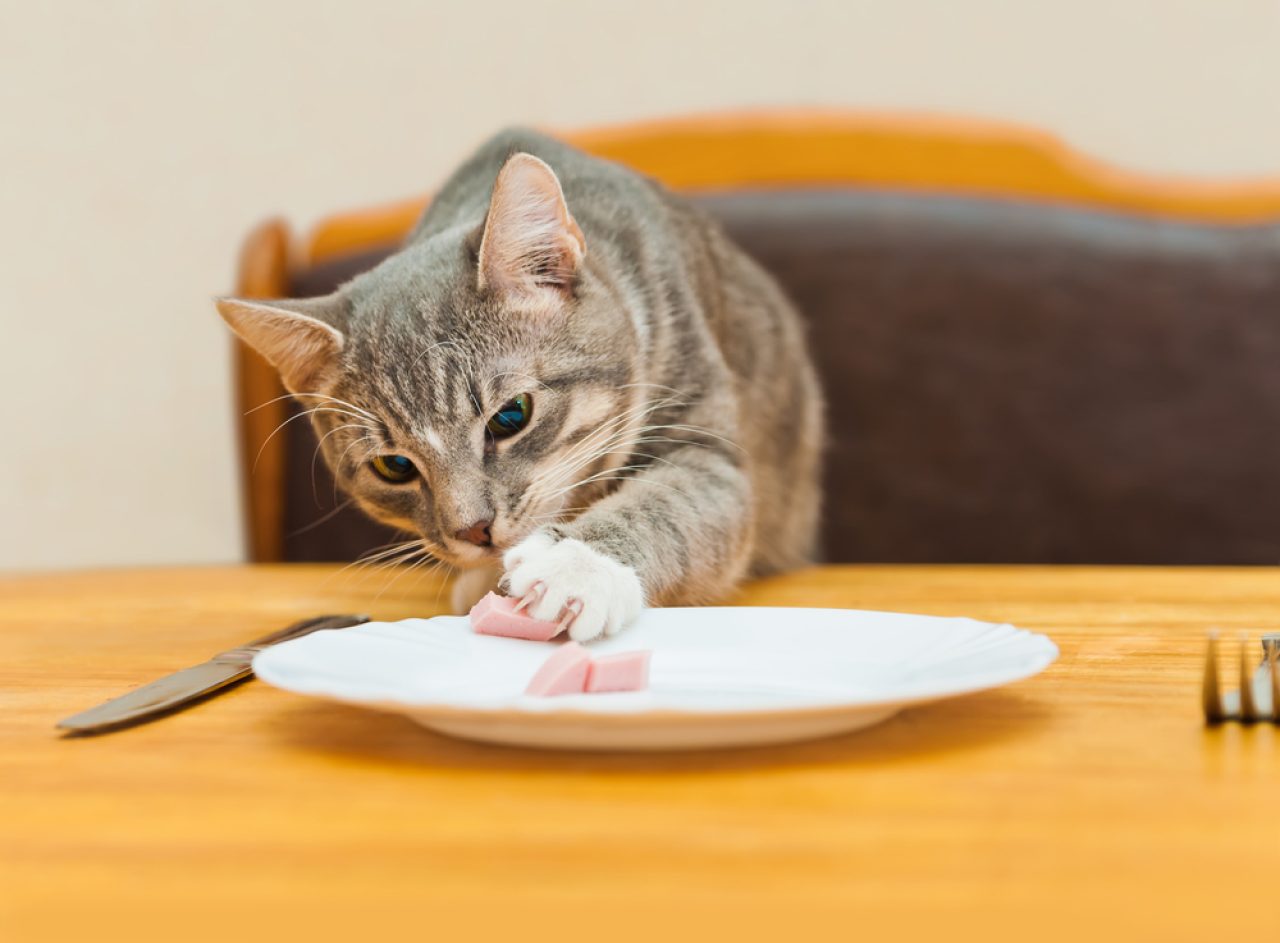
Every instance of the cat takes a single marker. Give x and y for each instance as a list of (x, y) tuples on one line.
[(570, 384)]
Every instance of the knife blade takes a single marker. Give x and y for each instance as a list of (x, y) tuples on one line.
[(185, 687)]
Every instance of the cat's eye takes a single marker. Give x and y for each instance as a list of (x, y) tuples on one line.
[(394, 468), (513, 416)]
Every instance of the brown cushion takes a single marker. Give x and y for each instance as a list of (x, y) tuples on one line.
[(1007, 382)]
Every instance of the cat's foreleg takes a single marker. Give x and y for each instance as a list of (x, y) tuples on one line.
[(470, 586), (678, 532)]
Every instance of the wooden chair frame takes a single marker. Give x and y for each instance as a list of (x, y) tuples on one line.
[(787, 149)]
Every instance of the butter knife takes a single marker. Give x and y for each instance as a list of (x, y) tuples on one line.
[(185, 687)]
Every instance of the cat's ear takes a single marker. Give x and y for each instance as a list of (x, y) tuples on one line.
[(531, 245), (295, 335)]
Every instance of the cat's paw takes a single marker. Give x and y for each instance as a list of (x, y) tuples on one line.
[(606, 594), (470, 587)]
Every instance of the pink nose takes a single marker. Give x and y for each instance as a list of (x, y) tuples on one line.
[(478, 533)]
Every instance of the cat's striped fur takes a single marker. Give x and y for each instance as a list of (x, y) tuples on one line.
[(676, 421)]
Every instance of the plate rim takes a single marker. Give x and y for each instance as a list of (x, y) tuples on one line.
[(572, 712)]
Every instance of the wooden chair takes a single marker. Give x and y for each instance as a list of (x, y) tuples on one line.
[(1029, 356)]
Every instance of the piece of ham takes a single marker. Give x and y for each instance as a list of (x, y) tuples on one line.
[(565, 672), (625, 671), (496, 615)]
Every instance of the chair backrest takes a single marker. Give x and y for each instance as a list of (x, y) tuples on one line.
[(1028, 357)]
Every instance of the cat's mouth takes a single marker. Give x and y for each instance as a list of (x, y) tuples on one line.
[(470, 554)]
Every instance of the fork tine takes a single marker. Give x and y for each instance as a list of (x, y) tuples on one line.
[(1248, 709), (1210, 689), (1271, 645)]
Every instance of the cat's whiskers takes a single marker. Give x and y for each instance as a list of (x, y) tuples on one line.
[(552, 484), (675, 400), (425, 564), (450, 570), (598, 444), (630, 451), (323, 519), (563, 513), (696, 430), (388, 554), (436, 346), (560, 472), (369, 431), (642, 436), (363, 567), (641, 481), (611, 432), (554, 478), (324, 408), (332, 399), (401, 569), (609, 474), (379, 554), (389, 565), (355, 442), (639, 410), (555, 517), (305, 413), (647, 440), (589, 451), (315, 453), (471, 391), (619, 469), (338, 466), (543, 496)]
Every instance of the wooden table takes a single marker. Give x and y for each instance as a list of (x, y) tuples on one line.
[(1087, 800)]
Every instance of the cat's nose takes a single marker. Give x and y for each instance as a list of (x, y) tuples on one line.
[(478, 533)]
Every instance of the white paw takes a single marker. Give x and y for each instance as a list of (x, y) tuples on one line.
[(571, 573), (470, 587)]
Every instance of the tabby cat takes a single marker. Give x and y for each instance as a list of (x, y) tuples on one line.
[(569, 384)]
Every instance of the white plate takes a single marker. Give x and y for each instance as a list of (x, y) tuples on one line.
[(719, 676)]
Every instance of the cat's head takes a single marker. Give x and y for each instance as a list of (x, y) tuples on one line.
[(467, 387)]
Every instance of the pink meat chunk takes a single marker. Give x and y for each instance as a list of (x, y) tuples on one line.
[(625, 671), (495, 615), (565, 672)]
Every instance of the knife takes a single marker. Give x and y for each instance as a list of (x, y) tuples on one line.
[(185, 687)]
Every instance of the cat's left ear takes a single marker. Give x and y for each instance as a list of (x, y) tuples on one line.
[(531, 245)]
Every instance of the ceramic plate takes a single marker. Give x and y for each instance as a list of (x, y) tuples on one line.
[(718, 677)]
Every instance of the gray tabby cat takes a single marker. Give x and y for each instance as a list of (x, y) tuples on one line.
[(570, 381)]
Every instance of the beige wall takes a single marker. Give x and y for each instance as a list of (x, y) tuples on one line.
[(138, 141)]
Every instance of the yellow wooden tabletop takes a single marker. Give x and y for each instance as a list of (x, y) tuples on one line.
[(1088, 799)]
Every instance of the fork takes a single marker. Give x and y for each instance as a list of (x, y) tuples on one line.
[(1259, 696)]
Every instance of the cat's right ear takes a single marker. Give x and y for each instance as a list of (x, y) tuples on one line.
[(293, 334)]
